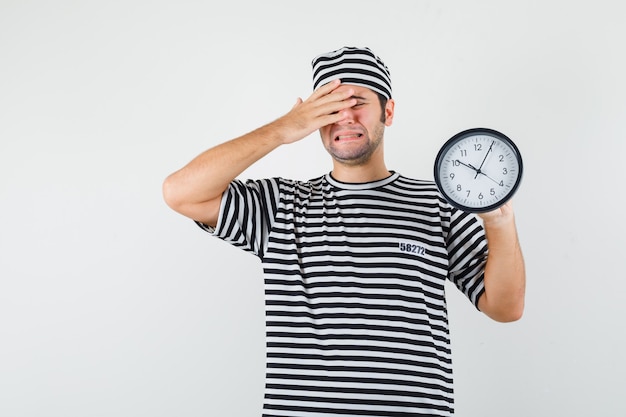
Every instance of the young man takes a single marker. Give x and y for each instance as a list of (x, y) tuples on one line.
[(354, 261)]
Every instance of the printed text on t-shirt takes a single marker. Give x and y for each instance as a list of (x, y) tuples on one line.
[(412, 248)]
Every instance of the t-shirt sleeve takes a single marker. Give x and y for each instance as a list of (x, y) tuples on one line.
[(467, 254), (246, 214)]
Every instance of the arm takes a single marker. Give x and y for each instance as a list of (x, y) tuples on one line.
[(505, 276), (196, 190)]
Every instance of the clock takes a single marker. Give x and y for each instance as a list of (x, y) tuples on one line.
[(478, 170)]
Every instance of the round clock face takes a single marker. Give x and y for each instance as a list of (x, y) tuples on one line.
[(478, 170)]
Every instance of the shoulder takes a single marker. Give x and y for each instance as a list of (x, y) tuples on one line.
[(280, 185), (425, 197), (416, 184), (418, 188)]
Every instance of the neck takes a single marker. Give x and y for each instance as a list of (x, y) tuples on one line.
[(359, 173)]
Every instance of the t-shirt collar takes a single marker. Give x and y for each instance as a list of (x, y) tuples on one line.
[(361, 185)]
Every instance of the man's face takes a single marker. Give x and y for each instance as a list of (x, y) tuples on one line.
[(359, 135)]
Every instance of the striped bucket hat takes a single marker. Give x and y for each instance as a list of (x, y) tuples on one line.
[(357, 66)]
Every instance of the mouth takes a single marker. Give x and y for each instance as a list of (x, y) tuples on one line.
[(348, 136)]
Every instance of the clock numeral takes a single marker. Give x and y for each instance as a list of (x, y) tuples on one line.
[(456, 163), (480, 196), (501, 158), (463, 152), (492, 192), (505, 171), (458, 187), (468, 193), (478, 146), (452, 175)]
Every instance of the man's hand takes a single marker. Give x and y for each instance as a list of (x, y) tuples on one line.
[(324, 107), (501, 215)]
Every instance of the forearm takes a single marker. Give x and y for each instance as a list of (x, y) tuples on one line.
[(505, 275)]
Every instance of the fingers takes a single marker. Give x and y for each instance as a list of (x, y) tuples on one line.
[(329, 100), (329, 93), (326, 100), (500, 215), (325, 106), (326, 88)]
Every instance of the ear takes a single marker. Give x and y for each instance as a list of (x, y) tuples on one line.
[(389, 109)]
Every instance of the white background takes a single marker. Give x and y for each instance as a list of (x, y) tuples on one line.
[(113, 305)]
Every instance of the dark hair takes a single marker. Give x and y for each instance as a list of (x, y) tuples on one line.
[(383, 104)]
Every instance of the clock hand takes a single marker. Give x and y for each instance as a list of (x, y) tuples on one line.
[(484, 159), (480, 172), (468, 165)]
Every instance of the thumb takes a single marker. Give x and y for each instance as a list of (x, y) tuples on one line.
[(298, 102)]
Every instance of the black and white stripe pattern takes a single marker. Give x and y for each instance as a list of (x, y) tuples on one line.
[(358, 66), (354, 283)]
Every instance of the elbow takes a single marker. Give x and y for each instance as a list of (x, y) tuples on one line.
[(508, 314), (180, 198), (170, 193), (502, 311)]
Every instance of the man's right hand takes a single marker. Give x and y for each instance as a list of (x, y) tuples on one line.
[(323, 107)]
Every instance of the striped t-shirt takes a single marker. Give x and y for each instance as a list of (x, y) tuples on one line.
[(356, 321)]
